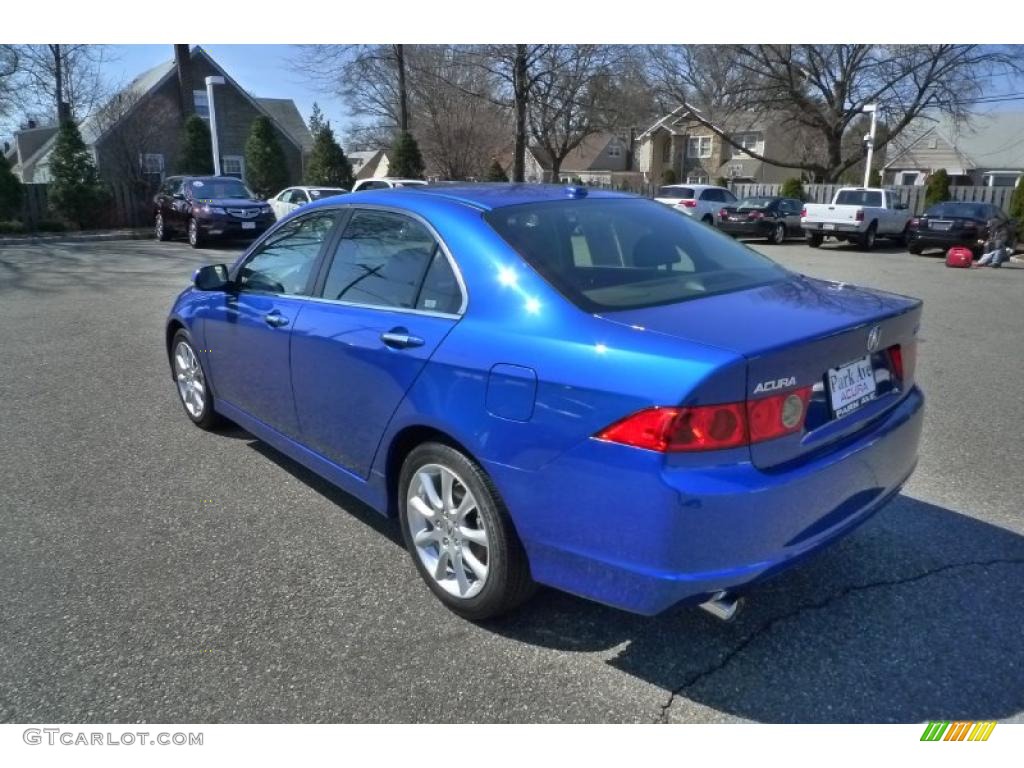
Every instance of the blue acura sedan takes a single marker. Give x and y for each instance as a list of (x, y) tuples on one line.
[(561, 386)]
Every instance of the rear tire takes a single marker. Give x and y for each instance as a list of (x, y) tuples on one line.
[(815, 240), (915, 248), (709, 220), (778, 235), (160, 229), (866, 242), (459, 534)]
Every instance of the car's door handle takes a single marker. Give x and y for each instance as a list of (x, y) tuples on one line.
[(399, 338), (275, 319)]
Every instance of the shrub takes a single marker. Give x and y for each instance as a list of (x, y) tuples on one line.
[(196, 147), (1017, 204), (937, 188), (496, 172), (668, 176), (75, 192), (793, 187), (11, 190), (721, 181), (266, 170), (407, 162), (12, 228), (49, 225), (328, 165)]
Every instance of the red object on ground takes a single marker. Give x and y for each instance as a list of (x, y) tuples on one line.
[(958, 256)]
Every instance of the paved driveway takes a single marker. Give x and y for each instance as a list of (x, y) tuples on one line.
[(151, 571)]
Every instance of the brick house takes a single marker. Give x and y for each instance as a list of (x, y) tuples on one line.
[(698, 155), (136, 137)]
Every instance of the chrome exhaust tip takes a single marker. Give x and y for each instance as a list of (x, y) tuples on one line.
[(723, 605)]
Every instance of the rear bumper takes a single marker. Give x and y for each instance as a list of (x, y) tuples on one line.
[(761, 228), (619, 526), (830, 228), (945, 240)]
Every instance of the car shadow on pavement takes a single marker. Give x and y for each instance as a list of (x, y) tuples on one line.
[(916, 616)]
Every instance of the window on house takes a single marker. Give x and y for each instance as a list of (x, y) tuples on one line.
[(698, 146), (1002, 179), (697, 178), (152, 168), (614, 150), (751, 141), (201, 104), (233, 165)]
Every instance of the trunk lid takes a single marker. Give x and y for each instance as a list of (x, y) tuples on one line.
[(792, 333)]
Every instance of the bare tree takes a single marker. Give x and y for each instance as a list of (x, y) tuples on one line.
[(571, 100), (62, 81), (821, 90), (131, 126), (9, 66)]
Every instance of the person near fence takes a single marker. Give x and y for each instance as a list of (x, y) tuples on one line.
[(996, 251)]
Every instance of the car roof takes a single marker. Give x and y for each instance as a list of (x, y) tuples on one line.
[(483, 195)]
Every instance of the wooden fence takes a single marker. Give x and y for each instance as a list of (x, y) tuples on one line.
[(127, 206)]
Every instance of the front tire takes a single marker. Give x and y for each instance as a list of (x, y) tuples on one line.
[(190, 379), (460, 535), (195, 236)]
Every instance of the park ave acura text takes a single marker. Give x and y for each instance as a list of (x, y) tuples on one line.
[(552, 385)]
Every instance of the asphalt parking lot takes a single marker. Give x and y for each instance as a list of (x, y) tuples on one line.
[(153, 572)]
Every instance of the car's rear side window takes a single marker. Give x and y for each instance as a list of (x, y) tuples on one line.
[(676, 193), (627, 253), (389, 260)]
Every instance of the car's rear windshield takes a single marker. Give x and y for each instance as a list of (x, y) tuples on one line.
[(627, 254), (755, 203), (220, 189), (677, 193), (316, 194), (859, 197), (959, 211)]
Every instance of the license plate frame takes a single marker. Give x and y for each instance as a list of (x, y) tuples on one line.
[(851, 386), (248, 225), (828, 227)]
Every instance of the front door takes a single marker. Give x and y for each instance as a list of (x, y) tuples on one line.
[(386, 300), (249, 331)]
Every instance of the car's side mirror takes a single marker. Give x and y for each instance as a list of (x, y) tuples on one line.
[(213, 277)]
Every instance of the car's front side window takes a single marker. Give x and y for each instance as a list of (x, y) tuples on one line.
[(384, 259), (283, 263)]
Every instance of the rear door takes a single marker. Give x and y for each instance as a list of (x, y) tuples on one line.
[(386, 297), (248, 332)]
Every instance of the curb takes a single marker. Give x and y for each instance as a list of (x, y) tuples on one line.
[(78, 237)]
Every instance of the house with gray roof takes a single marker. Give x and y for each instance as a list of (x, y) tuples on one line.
[(985, 151), (136, 137)]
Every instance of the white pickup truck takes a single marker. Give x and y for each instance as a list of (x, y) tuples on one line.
[(857, 215)]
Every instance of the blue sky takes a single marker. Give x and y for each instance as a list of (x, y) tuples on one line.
[(264, 70)]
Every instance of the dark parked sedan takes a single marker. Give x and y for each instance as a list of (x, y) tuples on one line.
[(202, 207), (774, 218), (951, 223)]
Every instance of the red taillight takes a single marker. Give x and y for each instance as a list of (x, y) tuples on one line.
[(803, 213), (755, 215), (778, 415), (712, 427), (723, 213), (688, 203), (860, 215), (903, 360)]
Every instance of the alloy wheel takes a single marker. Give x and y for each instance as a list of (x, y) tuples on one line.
[(780, 234), (193, 232), (159, 227), (189, 377), (448, 531)]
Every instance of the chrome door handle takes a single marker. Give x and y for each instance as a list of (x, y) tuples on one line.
[(275, 319), (400, 340)]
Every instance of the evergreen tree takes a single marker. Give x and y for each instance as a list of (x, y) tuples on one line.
[(196, 147), (407, 162), (668, 176), (328, 165), (496, 172), (266, 170), (75, 192), (10, 191), (792, 187), (316, 121), (937, 188), (1017, 206)]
